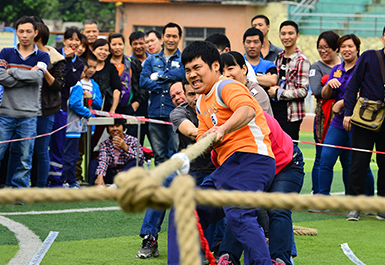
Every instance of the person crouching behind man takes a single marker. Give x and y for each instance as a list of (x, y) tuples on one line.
[(117, 153)]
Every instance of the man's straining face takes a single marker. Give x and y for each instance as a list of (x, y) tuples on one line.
[(200, 76)]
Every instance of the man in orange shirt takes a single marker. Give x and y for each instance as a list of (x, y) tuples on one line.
[(227, 108)]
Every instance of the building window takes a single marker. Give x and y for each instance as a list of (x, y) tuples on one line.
[(194, 34)]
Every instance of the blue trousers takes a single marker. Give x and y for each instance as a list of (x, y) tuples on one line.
[(245, 172), (44, 125), (315, 170), (164, 141), (336, 136), (153, 218), (56, 150), (289, 179), (70, 157)]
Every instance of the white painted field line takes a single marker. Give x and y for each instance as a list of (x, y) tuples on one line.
[(114, 208), (39, 255), (28, 242), (349, 253)]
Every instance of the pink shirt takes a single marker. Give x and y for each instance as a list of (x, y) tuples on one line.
[(281, 143)]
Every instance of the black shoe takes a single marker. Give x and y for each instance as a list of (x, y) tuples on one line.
[(149, 248)]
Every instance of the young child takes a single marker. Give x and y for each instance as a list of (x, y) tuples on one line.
[(86, 88)]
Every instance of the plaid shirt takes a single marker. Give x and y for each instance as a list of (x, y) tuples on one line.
[(297, 83), (106, 157)]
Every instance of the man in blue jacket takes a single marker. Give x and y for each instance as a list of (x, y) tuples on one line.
[(159, 70)]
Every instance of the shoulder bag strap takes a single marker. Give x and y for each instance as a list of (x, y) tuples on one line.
[(381, 59)]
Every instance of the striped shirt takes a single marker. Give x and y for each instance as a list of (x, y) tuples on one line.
[(107, 155), (297, 84)]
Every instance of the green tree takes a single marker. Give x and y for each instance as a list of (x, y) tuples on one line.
[(12, 10), (75, 10), (66, 10)]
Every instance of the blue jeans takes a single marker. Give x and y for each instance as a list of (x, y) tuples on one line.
[(164, 141), (153, 218), (56, 150), (336, 136), (44, 125), (289, 179), (315, 170), (20, 152)]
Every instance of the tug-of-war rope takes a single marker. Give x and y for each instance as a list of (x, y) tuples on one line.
[(140, 188)]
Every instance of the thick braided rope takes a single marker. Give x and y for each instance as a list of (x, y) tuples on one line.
[(185, 220), (163, 198), (302, 231)]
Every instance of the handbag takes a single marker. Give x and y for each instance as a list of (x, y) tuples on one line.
[(370, 114)]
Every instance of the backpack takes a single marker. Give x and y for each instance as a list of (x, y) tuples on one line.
[(125, 93)]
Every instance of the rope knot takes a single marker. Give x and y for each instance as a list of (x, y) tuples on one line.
[(136, 188)]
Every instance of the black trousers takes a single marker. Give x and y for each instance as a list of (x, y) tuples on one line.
[(365, 139)]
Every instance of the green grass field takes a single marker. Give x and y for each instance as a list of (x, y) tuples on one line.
[(111, 237)]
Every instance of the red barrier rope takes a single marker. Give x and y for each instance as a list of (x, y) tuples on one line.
[(342, 147), (38, 136)]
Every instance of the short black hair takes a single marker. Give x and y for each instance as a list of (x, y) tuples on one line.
[(173, 25), (135, 36), (90, 22), (157, 34), (25, 20), (289, 23), (267, 21), (116, 36), (233, 58), (331, 39), (84, 41), (219, 40), (184, 82), (38, 19), (118, 121), (92, 57), (354, 38), (43, 33), (253, 32), (383, 31), (204, 50), (70, 32), (100, 42)]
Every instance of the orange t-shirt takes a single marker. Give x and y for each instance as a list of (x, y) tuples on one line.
[(217, 106), (120, 68)]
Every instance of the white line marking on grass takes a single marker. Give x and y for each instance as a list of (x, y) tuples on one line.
[(28, 242), (38, 257), (349, 253), (115, 208)]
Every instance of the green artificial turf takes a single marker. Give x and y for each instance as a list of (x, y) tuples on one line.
[(111, 237)]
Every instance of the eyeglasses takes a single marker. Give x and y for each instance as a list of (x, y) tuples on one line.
[(324, 48)]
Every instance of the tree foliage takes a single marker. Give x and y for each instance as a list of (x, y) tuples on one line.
[(66, 10)]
